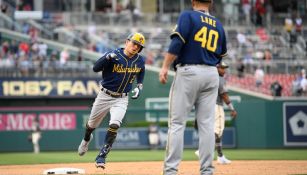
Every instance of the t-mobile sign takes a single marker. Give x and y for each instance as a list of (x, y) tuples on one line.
[(47, 121)]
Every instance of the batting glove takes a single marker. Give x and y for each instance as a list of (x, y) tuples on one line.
[(137, 91), (111, 56)]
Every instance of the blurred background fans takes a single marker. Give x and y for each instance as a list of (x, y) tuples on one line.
[(262, 34), (47, 50)]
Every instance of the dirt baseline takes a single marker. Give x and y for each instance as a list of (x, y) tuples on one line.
[(155, 168)]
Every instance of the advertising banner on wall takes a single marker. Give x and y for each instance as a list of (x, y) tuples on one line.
[(40, 87), (50, 118), (138, 138), (161, 104), (295, 124)]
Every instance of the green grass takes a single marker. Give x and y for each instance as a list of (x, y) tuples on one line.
[(147, 155)]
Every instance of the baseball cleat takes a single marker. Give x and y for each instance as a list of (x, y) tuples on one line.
[(223, 160), (100, 162), (83, 147), (197, 153)]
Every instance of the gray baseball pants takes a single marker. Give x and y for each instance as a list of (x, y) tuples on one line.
[(193, 85), (104, 104)]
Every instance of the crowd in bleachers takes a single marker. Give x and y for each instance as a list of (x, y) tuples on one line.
[(265, 60), (252, 65), (23, 59)]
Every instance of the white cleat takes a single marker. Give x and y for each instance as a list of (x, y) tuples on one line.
[(223, 160), (83, 147), (197, 153)]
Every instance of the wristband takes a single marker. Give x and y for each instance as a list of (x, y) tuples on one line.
[(231, 107), (140, 86)]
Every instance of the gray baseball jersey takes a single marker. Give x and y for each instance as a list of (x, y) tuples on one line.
[(222, 89)]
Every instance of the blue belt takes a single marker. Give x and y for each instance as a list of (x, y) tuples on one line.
[(113, 94), (182, 65)]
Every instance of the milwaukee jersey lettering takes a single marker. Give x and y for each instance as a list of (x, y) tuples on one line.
[(118, 74)]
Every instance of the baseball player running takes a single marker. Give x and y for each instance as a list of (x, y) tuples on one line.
[(220, 114), (198, 44), (119, 70)]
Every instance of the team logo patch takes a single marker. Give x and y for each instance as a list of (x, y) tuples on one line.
[(295, 124)]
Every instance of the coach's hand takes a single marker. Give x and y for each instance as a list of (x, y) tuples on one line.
[(233, 114), (137, 91), (163, 75), (111, 55)]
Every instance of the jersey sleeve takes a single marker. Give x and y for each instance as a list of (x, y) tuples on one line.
[(224, 44), (182, 27), (222, 86), (99, 64)]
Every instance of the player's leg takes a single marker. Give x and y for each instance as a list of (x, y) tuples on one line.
[(117, 111), (205, 114), (219, 128), (182, 96), (99, 110), (196, 128), (35, 140)]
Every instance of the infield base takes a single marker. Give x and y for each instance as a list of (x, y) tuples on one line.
[(64, 171)]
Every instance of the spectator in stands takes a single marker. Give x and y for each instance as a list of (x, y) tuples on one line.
[(91, 30), (14, 47), (298, 24), (248, 61), (241, 38), (288, 23), (33, 32), (228, 12), (5, 47), (276, 89), (260, 12), (42, 49), (64, 56), (136, 15), (297, 85), (259, 76), (52, 63), (79, 57), (24, 64), (267, 58), (37, 65), (246, 7), (269, 12), (25, 28), (24, 47), (304, 85), (240, 68)]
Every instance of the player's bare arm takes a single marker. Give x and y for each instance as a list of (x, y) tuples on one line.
[(168, 60), (226, 99)]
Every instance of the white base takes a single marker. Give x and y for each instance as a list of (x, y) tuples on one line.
[(64, 171)]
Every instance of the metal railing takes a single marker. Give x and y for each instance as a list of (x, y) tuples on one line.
[(273, 67), (29, 68)]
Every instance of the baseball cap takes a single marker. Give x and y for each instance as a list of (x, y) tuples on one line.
[(222, 64)]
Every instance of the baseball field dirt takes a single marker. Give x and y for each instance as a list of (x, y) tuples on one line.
[(268, 167)]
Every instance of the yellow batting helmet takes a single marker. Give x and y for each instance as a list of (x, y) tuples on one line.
[(137, 38)]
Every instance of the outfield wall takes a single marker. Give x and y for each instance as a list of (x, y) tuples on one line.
[(261, 122)]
